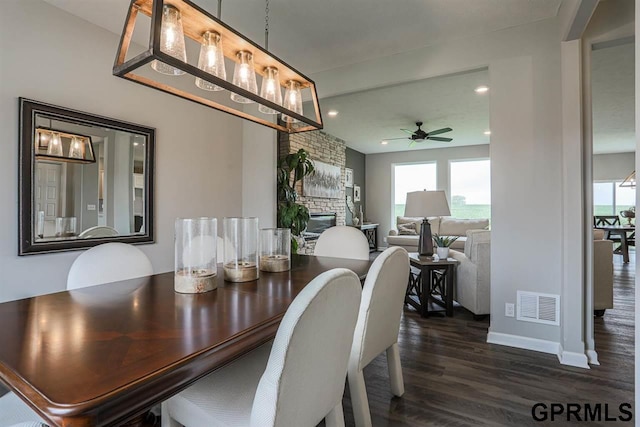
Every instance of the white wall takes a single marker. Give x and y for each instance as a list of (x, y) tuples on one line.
[(51, 56), (526, 153), (260, 152), (614, 166), (379, 202)]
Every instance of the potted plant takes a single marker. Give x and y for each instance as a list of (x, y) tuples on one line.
[(291, 170), (443, 243)]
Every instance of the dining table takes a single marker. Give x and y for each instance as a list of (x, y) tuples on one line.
[(626, 235), (104, 355)]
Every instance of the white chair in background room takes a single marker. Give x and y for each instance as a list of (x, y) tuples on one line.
[(296, 381), (108, 263), (342, 241), (98, 231), (378, 326)]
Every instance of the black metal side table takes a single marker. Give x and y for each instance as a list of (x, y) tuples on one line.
[(436, 278)]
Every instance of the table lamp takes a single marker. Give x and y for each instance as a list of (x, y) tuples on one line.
[(424, 204)]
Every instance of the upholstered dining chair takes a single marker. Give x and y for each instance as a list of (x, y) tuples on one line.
[(378, 326), (14, 412), (296, 381), (342, 241), (108, 263)]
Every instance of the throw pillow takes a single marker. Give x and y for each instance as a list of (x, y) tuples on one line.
[(407, 229)]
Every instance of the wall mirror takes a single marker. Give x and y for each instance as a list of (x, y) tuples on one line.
[(84, 180)]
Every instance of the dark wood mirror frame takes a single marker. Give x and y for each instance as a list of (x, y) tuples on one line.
[(28, 111)]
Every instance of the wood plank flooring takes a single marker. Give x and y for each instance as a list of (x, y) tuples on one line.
[(454, 378)]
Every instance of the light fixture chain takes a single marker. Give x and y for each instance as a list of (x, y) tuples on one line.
[(219, 9), (266, 26)]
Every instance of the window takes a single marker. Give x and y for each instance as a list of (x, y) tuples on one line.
[(411, 177), (470, 189), (609, 198)]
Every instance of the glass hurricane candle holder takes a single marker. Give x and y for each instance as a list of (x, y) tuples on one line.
[(240, 249), (275, 249), (195, 255), (66, 226)]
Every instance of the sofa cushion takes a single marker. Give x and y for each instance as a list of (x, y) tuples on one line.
[(458, 227), (403, 240), (475, 236), (434, 222), (407, 229)]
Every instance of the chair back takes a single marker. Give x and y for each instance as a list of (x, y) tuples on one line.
[(342, 241), (305, 375), (108, 263), (601, 220), (381, 307), (98, 231)]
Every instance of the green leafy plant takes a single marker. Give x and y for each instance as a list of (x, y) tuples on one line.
[(292, 169), (444, 241)]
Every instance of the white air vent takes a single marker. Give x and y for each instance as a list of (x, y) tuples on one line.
[(539, 308)]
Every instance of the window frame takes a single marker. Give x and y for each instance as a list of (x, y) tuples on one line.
[(468, 159), (393, 183)]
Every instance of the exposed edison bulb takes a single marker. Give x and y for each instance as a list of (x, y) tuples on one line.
[(55, 145), (292, 100), (270, 90), (244, 76), (211, 60), (76, 149), (171, 40)]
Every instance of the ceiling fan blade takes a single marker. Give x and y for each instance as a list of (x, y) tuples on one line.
[(410, 132), (439, 131), (437, 138)]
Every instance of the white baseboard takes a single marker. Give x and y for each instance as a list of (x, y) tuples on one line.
[(571, 358), (592, 355), (535, 344)]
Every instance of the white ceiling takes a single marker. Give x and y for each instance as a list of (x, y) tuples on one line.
[(613, 99), (365, 119), (315, 36)]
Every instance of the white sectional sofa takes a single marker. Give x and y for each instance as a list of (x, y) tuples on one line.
[(443, 226)]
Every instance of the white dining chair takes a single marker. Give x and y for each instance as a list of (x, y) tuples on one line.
[(108, 263), (342, 241), (14, 412), (378, 326), (296, 381)]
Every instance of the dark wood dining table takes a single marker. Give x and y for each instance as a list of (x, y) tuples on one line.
[(104, 355), (626, 234)]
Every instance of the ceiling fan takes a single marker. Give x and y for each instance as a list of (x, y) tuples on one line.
[(419, 135)]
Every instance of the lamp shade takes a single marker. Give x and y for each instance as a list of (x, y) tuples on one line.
[(426, 203)]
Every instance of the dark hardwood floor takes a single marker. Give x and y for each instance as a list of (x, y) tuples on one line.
[(454, 378)]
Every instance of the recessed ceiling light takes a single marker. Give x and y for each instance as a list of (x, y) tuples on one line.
[(384, 142), (135, 143), (487, 132), (482, 89), (332, 113)]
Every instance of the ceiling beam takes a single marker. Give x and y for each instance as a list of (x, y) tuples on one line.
[(578, 14)]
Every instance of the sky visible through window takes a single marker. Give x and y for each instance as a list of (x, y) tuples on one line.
[(411, 177), (470, 189), (609, 198)]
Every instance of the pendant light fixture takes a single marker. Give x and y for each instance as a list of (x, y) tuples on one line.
[(244, 76), (171, 40), (76, 148), (171, 22), (270, 88), (629, 181), (292, 101), (55, 145), (211, 60), (51, 143)]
